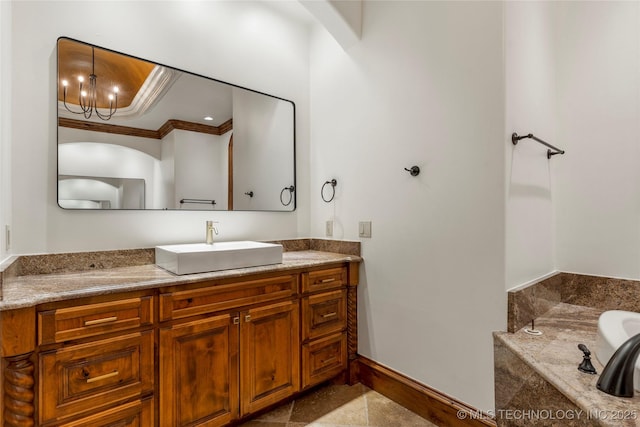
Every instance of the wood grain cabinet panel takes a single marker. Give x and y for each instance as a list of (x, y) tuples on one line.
[(64, 324), (322, 280), (323, 314), (270, 355), (323, 359), (199, 373), (203, 354), (133, 414), (192, 302), (89, 377)]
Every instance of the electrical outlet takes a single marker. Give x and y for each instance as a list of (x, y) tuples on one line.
[(328, 231), (364, 229)]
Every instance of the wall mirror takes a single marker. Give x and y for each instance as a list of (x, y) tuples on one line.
[(134, 134)]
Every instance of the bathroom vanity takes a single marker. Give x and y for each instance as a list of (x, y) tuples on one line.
[(139, 346)]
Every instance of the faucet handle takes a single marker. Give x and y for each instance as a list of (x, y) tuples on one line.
[(212, 225), (586, 366), (584, 349)]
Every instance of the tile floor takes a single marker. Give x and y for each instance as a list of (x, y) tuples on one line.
[(341, 406)]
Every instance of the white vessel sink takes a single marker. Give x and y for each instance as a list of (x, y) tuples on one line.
[(614, 328), (200, 257)]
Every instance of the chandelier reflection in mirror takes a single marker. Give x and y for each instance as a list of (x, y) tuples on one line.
[(88, 99), (158, 149)]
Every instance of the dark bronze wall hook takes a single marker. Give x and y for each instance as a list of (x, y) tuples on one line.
[(414, 171)]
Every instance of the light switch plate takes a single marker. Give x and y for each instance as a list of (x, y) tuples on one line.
[(329, 229), (364, 228)]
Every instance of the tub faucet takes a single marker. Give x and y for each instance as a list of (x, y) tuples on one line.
[(617, 376), (210, 230)]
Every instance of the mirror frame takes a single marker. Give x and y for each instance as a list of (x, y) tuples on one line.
[(293, 159)]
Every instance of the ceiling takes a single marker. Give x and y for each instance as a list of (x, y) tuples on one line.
[(125, 72), (149, 94)]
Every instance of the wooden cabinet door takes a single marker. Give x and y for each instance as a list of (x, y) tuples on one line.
[(199, 373), (270, 355)]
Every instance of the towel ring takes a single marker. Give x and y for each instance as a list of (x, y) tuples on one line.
[(290, 188), (333, 183)]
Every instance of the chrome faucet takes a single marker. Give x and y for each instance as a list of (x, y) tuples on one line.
[(617, 376), (210, 230)]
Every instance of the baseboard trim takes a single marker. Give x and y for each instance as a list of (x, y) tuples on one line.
[(425, 401)]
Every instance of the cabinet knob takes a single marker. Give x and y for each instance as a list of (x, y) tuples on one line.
[(247, 318)]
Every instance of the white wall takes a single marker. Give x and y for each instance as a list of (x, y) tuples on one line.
[(166, 172), (227, 40), (530, 108), (95, 159), (573, 78), (258, 142), (149, 146), (598, 88), (423, 87), (81, 192), (104, 160), (201, 164), (5, 123)]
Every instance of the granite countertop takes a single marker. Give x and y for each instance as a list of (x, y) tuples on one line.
[(30, 290), (555, 356)]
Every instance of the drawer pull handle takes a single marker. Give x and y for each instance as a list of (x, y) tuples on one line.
[(333, 313), (236, 320), (324, 362), (103, 377), (100, 321), (333, 279), (247, 318)]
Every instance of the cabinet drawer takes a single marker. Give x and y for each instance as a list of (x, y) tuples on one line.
[(92, 376), (321, 280), (180, 304), (70, 323), (323, 314), (323, 359), (132, 414)]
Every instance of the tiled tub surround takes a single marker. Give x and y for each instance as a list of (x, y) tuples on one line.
[(536, 377), (603, 293), (537, 382)]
